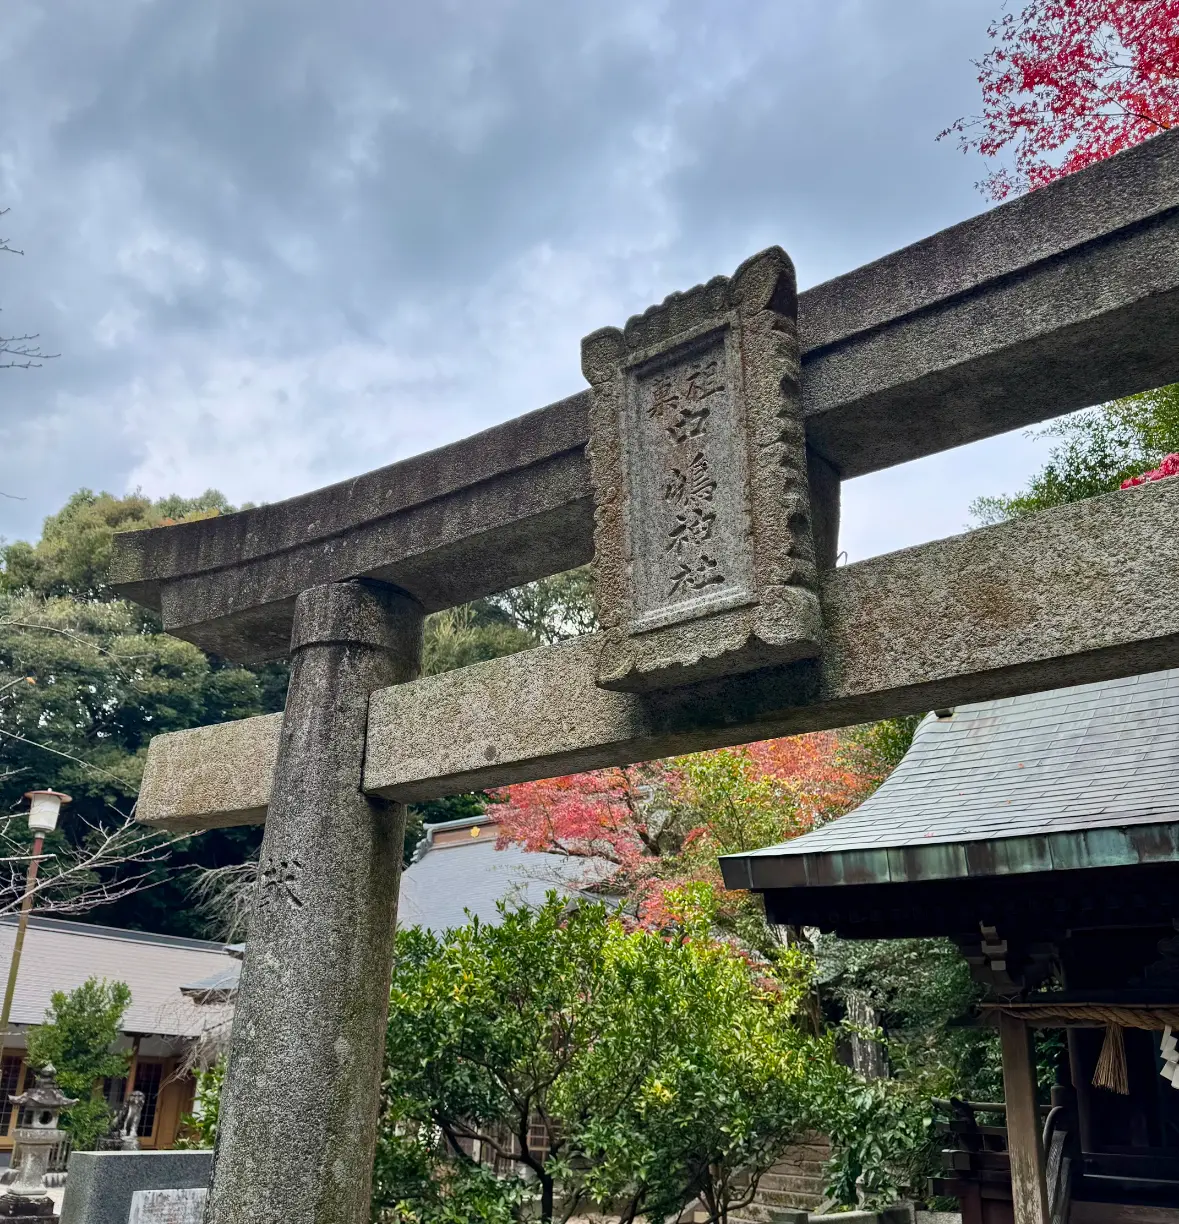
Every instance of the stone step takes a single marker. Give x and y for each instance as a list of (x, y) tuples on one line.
[(755, 1213), (787, 1198), (782, 1182)]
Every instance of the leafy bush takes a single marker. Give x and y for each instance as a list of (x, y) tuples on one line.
[(78, 1037), (414, 1183), (199, 1128), (617, 1066), (882, 1140)]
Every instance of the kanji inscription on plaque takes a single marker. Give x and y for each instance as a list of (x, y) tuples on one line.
[(167, 1206), (703, 551), (690, 523)]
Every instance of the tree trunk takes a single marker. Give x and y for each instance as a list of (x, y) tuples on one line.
[(546, 1197)]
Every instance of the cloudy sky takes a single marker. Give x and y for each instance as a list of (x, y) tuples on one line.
[(279, 242)]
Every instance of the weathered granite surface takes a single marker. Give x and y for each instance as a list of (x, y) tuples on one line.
[(1051, 302), (299, 1106), (703, 554), (1082, 592), (440, 525), (209, 777), (100, 1184)]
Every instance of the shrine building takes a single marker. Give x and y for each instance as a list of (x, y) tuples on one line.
[(1040, 833)]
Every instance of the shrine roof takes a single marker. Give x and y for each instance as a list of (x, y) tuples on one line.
[(458, 872), (1072, 778), (61, 955)]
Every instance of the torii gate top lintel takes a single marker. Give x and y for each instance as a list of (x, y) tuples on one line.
[(1040, 305), (1048, 303)]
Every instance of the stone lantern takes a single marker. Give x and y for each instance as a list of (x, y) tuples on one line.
[(26, 1198)]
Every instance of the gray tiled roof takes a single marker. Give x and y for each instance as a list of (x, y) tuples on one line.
[(61, 955), (445, 881), (1071, 761), (223, 982)]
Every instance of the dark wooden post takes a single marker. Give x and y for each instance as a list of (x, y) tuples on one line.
[(1029, 1191), (1081, 1074)]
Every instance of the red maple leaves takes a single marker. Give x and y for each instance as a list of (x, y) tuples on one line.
[(662, 825), (1069, 82), (1168, 467)]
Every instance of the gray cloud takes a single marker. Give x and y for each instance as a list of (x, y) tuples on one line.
[(278, 242)]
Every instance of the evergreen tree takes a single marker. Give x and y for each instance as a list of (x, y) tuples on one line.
[(106, 679), (78, 1038)]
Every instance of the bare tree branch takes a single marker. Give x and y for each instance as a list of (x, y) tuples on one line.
[(24, 352), (225, 894), (68, 756), (71, 878)]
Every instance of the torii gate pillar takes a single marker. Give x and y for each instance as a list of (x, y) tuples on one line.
[(309, 1032)]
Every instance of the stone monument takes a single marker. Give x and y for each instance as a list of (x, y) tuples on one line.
[(26, 1199), (136, 1187)]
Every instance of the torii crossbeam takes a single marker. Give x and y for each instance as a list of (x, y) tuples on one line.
[(701, 473)]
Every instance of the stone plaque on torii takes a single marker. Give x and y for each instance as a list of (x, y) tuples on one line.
[(718, 427)]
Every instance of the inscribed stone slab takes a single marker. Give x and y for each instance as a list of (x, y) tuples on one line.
[(168, 1206), (703, 547), (101, 1186)]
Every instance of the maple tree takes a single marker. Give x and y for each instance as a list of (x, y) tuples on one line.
[(663, 824), (1069, 82)]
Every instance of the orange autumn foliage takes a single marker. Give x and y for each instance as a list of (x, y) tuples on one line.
[(664, 824)]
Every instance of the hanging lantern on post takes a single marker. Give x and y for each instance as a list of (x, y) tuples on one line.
[(44, 806)]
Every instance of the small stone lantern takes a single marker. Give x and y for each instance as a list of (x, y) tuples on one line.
[(26, 1198)]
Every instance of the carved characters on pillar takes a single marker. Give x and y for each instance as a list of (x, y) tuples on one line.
[(681, 403), (280, 884), (703, 550)]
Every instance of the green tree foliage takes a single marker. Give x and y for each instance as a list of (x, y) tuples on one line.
[(199, 1128), (538, 613), (883, 1143), (73, 556), (554, 608), (658, 1067), (472, 633), (874, 750), (1096, 450), (106, 681), (78, 1038)]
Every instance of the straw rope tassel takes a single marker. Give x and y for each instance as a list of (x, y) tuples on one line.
[(1111, 1066)]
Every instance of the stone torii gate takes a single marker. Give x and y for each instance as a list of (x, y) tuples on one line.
[(701, 472)]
